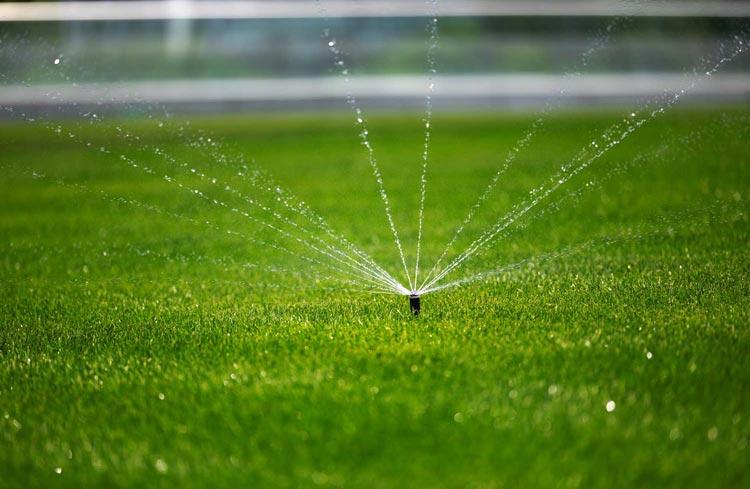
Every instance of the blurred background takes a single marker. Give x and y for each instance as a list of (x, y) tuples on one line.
[(270, 55)]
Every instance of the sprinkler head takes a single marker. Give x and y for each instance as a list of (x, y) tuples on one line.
[(414, 303)]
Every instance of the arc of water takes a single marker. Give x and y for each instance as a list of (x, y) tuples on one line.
[(141, 252), (151, 208), (353, 261), (508, 232), (372, 270), (576, 193), (221, 261), (656, 157), (298, 206), (630, 126), (356, 265), (636, 234), (245, 214), (263, 181), (519, 146), (492, 273), (133, 202), (340, 63), (432, 45), (294, 204)]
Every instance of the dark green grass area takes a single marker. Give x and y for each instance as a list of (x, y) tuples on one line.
[(146, 346)]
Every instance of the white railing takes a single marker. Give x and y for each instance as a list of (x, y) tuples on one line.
[(287, 9), (491, 89)]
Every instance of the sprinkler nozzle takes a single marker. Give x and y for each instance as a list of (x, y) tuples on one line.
[(414, 303)]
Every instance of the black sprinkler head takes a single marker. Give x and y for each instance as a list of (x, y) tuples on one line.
[(414, 303)]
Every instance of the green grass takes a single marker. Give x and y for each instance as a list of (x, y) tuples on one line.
[(182, 367)]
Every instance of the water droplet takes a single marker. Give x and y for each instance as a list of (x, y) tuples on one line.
[(632, 114), (611, 405), (458, 417), (331, 43), (161, 396), (713, 432), (552, 390), (649, 355), (58, 470), (57, 62), (161, 466)]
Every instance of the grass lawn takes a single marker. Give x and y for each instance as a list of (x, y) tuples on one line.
[(141, 344)]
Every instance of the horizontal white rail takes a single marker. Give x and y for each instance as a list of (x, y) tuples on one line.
[(506, 88), (288, 9)]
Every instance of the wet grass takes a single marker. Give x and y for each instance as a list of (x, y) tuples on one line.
[(140, 349)]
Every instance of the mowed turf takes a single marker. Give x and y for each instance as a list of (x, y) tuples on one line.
[(141, 344)]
